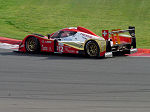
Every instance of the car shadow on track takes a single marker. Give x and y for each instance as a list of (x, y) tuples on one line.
[(52, 56), (49, 56)]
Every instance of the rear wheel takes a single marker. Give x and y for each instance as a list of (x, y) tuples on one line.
[(32, 45), (92, 49)]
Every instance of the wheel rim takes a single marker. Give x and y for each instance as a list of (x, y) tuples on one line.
[(92, 49), (31, 45)]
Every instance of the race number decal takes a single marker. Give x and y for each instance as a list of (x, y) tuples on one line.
[(60, 47)]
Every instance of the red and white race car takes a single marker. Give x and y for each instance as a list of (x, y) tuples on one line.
[(79, 40)]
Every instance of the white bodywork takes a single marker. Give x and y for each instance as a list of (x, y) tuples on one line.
[(81, 37)]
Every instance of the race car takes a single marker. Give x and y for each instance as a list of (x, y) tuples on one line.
[(79, 40)]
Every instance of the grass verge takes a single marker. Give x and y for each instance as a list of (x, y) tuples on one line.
[(18, 18)]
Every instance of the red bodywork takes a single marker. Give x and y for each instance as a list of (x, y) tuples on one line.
[(47, 45), (120, 42)]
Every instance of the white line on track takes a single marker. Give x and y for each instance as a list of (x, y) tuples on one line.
[(9, 46)]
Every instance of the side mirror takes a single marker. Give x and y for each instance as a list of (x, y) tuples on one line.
[(48, 35)]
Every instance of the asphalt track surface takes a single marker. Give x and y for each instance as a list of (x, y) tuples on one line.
[(54, 83)]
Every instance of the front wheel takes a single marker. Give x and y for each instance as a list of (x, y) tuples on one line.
[(32, 45), (92, 49)]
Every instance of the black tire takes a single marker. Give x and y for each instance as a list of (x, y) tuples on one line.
[(32, 45), (133, 42), (92, 49)]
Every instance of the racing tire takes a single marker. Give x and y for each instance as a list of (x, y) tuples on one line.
[(133, 42), (32, 45), (92, 49)]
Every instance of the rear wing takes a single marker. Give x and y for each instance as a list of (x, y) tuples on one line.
[(131, 31), (113, 33)]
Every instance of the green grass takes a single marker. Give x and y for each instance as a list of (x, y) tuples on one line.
[(18, 18)]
